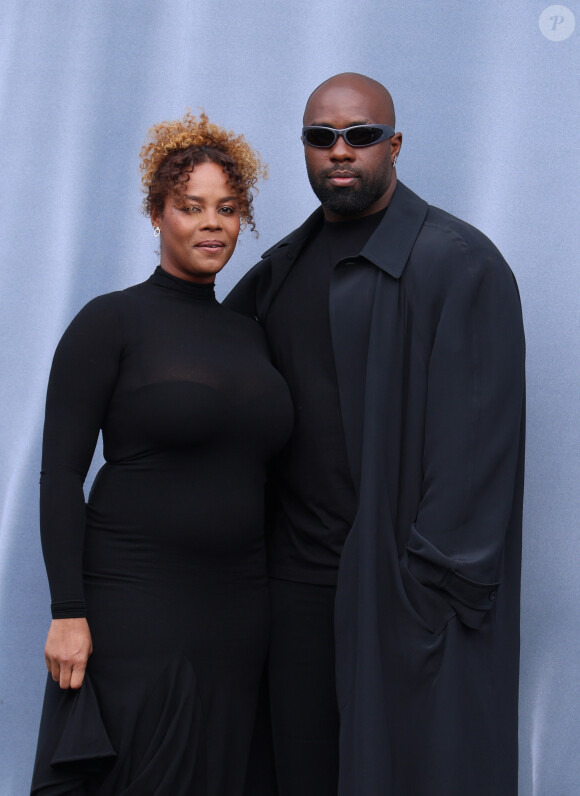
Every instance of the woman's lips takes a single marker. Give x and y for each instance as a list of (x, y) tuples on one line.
[(211, 246)]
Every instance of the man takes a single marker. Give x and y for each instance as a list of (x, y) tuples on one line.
[(398, 328)]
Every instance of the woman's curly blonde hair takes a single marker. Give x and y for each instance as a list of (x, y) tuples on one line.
[(174, 148)]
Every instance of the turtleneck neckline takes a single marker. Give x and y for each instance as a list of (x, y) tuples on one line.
[(198, 290)]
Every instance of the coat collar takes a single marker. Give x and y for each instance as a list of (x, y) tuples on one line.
[(388, 247)]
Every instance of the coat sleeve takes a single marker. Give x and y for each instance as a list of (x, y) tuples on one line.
[(473, 435)]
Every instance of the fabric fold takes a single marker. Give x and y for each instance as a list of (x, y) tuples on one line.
[(76, 743)]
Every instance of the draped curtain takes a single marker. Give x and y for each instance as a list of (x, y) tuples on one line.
[(487, 97)]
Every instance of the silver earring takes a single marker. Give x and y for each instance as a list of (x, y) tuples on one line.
[(394, 161), (156, 232)]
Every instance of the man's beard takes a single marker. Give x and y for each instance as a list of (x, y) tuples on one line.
[(351, 200)]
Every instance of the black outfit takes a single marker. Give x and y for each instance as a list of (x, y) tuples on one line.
[(168, 559), (315, 506), (302, 689), (428, 344), (313, 490)]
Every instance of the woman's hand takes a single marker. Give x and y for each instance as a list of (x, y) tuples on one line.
[(67, 651)]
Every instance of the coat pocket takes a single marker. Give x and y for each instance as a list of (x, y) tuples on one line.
[(427, 604)]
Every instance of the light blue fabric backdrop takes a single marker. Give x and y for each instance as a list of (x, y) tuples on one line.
[(488, 102)]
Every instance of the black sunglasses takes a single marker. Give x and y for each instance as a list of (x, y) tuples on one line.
[(359, 135)]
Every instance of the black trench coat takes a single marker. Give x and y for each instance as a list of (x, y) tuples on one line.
[(429, 349)]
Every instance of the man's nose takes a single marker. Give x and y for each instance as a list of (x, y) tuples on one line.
[(341, 150)]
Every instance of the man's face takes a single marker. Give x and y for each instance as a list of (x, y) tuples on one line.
[(350, 181)]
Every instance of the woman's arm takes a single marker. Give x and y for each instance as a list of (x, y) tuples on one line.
[(82, 379)]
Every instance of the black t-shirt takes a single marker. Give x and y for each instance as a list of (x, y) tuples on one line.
[(315, 499)]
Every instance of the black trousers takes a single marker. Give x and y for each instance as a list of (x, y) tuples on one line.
[(304, 711)]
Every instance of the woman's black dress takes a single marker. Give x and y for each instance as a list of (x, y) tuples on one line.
[(167, 559)]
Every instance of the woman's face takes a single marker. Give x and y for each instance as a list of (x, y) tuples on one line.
[(199, 228)]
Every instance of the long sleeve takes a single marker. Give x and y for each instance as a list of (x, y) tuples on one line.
[(82, 379), (474, 428)]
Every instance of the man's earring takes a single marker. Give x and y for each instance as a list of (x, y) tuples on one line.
[(394, 160), (156, 232)]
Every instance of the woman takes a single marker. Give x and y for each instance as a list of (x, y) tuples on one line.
[(160, 581)]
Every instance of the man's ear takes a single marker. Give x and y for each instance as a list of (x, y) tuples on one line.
[(396, 144)]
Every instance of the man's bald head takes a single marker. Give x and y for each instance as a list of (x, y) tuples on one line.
[(351, 181), (340, 89)]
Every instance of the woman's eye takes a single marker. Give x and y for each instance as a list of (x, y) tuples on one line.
[(191, 209), (227, 210)]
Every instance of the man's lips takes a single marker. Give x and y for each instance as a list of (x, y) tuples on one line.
[(342, 178)]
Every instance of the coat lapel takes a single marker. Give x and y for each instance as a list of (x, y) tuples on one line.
[(282, 257), (353, 319), (371, 397)]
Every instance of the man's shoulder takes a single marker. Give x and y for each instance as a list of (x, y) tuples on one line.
[(285, 241), (448, 245), (449, 234), (452, 257), (254, 285), (298, 235), (242, 297)]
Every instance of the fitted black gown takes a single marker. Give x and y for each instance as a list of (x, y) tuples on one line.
[(167, 559)]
